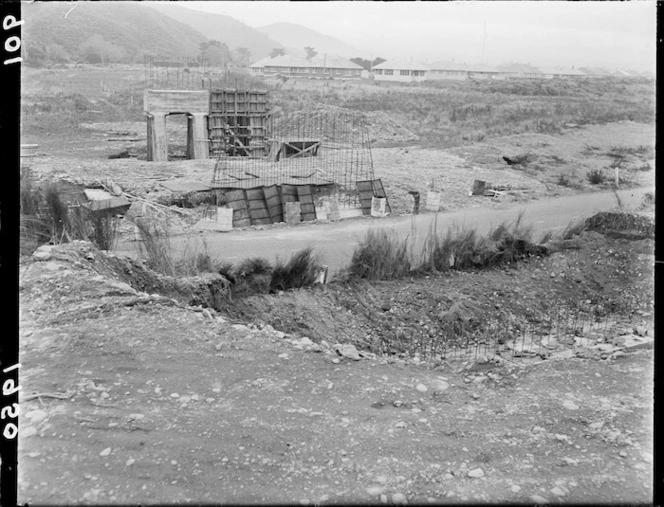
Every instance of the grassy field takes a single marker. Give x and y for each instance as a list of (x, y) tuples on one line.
[(443, 114)]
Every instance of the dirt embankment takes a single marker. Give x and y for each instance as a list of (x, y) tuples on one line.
[(596, 277)]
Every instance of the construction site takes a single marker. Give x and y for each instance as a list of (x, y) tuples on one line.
[(270, 167), (399, 294)]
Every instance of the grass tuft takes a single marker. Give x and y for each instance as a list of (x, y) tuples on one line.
[(300, 271), (596, 177), (380, 256)]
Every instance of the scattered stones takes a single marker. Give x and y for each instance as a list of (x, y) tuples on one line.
[(28, 431), (348, 351), (422, 388), (383, 498), (557, 491), (36, 416), (476, 473), (538, 499), (336, 360), (515, 488), (43, 253), (399, 499), (374, 490), (306, 342), (623, 454), (380, 479), (105, 452), (439, 386), (570, 405), (130, 462)]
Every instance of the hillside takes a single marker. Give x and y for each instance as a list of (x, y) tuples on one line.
[(298, 36), (226, 29), (102, 32)]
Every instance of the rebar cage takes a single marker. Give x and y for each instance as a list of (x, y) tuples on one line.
[(328, 145)]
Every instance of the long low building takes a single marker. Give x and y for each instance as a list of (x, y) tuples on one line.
[(323, 67)]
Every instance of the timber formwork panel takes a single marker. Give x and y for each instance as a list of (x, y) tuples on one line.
[(369, 189), (257, 206), (307, 206), (366, 191), (237, 123), (274, 206), (288, 194), (237, 200)]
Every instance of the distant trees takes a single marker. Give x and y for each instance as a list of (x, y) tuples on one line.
[(242, 57), (98, 50), (367, 64), (215, 53), (277, 52), (311, 53)]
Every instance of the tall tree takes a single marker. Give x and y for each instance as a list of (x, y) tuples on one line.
[(242, 56), (215, 53), (277, 52), (311, 52)]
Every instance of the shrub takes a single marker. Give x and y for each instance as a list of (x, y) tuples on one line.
[(300, 271), (563, 180), (156, 246), (380, 256), (596, 176)]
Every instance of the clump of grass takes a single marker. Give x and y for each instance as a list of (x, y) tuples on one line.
[(524, 159), (596, 177), (56, 214), (644, 168), (380, 256), (156, 247), (251, 276), (300, 271), (563, 180), (574, 228)]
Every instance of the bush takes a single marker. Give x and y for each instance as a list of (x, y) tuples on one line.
[(380, 257), (563, 180), (300, 271), (596, 177)]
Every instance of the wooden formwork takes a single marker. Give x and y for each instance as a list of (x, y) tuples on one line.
[(257, 206), (307, 206), (237, 200), (368, 190), (274, 205), (238, 122)]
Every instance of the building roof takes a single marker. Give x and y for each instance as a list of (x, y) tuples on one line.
[(287, 61), (261, 63), (333, 61), (482, 67), (446, 65), (562, 71), (402, 64)]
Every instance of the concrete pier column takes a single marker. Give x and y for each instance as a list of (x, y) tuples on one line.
[(157, 140), (197, 136)]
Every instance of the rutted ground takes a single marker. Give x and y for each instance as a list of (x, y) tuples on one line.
[(146, 399)]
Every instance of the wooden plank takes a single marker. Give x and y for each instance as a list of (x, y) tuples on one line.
[(288, 193), (307, 207), (176, 101), (255, 193), (273, 201)]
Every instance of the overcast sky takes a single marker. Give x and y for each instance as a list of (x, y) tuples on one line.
[(611, 34)]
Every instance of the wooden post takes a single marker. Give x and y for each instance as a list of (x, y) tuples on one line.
[(157, 140)]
